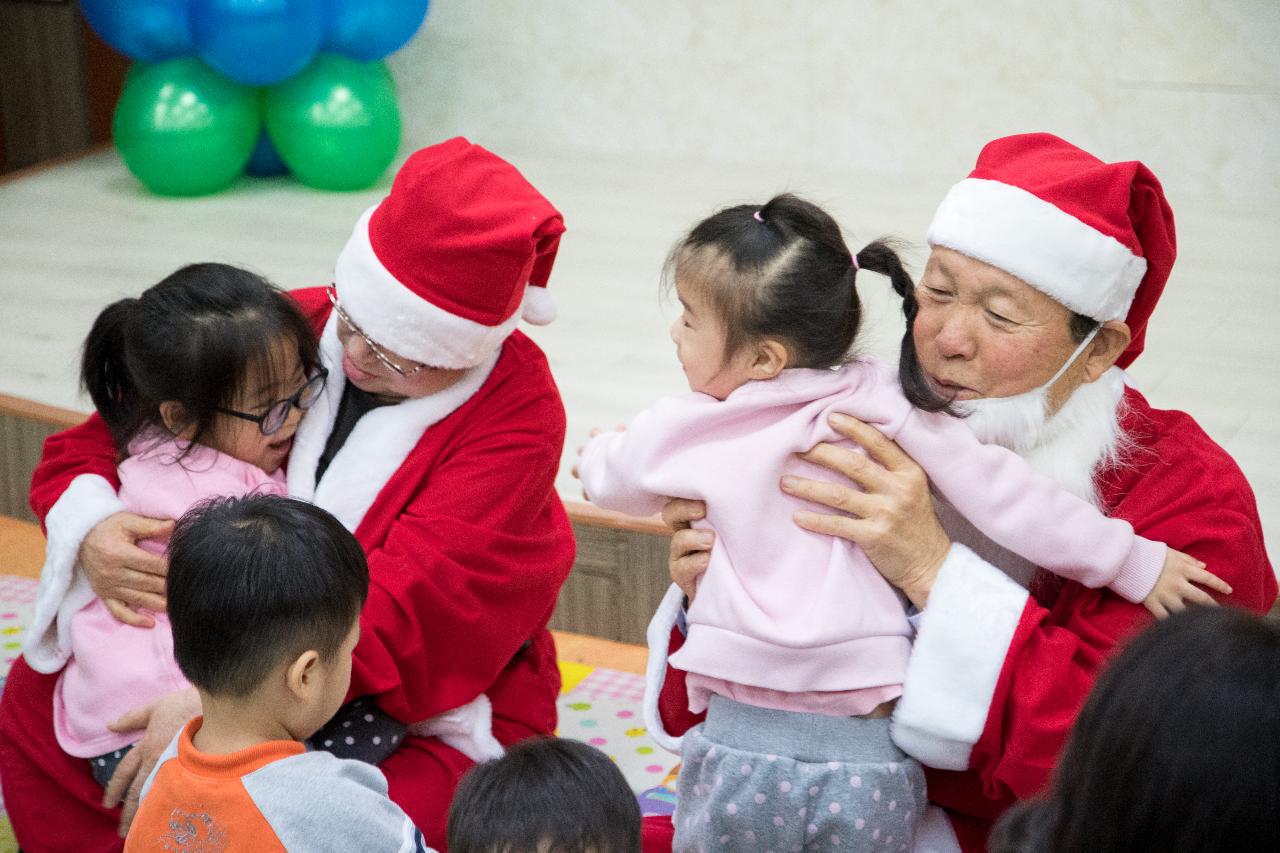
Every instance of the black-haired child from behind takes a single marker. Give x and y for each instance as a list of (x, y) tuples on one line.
[(546, 795), (1176, 750), (264, 599)]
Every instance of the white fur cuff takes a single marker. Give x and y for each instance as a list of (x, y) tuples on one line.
[(964, 635), (658, 636), (468, 729), (64, 590)]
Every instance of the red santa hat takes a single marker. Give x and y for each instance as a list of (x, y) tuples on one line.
[(1097, 237), (445, 266)]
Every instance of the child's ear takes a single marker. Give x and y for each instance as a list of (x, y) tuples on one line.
[(770, 358), (302, 673), (174, 415)]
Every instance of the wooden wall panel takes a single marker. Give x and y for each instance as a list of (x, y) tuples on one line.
[(20, 443), (43, 92)]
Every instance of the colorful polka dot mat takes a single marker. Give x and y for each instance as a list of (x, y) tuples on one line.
[(597, 705)]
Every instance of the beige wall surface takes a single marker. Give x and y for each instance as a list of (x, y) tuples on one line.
[(904, 88)]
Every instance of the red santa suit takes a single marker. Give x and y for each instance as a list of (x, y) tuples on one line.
[(450, 495), (998, 673)]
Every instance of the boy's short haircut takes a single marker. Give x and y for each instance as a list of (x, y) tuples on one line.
[(258, 580), (546, 795)]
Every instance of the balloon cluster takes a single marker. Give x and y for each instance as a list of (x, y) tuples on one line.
[(268, 86)]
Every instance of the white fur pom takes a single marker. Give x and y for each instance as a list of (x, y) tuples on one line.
[(539, 308)]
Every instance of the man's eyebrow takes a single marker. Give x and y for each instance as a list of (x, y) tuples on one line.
[(941, 266)]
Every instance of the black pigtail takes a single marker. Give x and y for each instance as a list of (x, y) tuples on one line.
[(104, 371), (881, 257)]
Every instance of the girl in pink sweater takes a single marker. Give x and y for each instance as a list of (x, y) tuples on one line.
[(202, 380), (796, 647)]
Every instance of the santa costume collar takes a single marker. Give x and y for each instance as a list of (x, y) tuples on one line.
[(379, 444)]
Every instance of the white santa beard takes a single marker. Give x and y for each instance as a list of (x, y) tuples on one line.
[(1067, 448)]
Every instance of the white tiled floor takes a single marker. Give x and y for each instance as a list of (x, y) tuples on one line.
[(79, 235)]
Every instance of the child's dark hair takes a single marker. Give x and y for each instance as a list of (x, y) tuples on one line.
[(784, 271), (1177, 748), (546, 795), (189, 339), (257, 580)]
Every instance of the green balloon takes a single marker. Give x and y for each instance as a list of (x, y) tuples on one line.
[(184, 129), (336, 124)]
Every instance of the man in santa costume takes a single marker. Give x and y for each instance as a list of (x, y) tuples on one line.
[(1046, 266), (436, 441)]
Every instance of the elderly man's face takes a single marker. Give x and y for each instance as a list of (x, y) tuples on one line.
[(982, 332)]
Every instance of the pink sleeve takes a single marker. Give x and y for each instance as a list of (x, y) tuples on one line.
[(616, 467), (1027, 513)]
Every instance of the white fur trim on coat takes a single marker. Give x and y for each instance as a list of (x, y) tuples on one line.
[(401, 320), (658, 636), (380, 443), (962, 640), (64, 589), (468, 729), (1089, 272)]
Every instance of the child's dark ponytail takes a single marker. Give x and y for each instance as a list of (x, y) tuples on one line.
[(881, 257), (104, 372), (192, 340)]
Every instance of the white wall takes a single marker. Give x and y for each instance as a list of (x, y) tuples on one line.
[(638, 117), (904, 88)]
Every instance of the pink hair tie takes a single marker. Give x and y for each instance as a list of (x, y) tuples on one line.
[(854, 255), (757, 216)]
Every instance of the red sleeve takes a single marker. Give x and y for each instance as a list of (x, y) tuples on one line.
[(1188, 493), (673, 700), (84, 449), (471, 567)]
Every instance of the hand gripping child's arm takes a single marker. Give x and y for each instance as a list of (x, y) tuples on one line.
[(1031, 515)]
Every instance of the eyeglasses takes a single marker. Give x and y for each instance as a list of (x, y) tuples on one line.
[(369, 342), (270, 421)]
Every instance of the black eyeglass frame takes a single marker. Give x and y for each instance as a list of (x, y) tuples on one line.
[(321, 375)]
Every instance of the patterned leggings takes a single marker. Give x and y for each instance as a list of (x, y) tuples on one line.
[(754, 778)]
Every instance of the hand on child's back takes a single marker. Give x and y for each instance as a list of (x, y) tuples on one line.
[(126, 577)]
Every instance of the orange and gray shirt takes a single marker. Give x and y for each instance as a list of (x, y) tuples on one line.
[(273, 796)]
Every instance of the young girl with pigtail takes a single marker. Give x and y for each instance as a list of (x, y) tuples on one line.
[(795, 646), (202, 380)]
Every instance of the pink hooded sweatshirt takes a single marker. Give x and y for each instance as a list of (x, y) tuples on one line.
[(801, 621), (115, 667)]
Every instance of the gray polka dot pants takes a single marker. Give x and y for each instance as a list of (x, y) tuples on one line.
[(764, 780)]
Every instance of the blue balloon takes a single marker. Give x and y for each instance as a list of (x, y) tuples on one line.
[(257, 42), (146, 30), (265, 161), (370, 29)]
